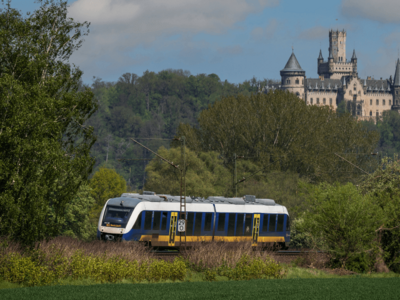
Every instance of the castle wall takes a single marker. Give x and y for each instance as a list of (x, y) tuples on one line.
[(321, 98)]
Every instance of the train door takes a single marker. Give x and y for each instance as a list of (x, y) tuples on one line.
[(172, 228), (256, 228)]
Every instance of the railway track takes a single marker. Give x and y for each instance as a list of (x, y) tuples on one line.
[(279, 253)]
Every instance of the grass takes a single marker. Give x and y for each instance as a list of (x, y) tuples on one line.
[(333, 288)]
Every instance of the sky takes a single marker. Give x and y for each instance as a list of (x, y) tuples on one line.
[(235, 39)]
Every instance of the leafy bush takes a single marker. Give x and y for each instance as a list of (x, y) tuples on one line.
[(31, 271), (344, 219)]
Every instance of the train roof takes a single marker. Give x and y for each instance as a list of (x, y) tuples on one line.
[(132, 199)]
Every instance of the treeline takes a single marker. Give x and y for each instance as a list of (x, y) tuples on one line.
[(151, 107)]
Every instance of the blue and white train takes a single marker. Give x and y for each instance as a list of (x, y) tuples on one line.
[(153, 219)]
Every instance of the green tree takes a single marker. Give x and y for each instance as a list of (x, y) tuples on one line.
[(205, 174), (384, 184), (106, 184), (344, 220), (282, 133), (76, 222), (44, 142)]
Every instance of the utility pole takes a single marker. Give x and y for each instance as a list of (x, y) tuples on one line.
[(182, 195)]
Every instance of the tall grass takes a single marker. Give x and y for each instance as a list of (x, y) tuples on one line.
[(65, 257)]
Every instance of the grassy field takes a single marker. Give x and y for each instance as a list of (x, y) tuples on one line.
[(349, 288)]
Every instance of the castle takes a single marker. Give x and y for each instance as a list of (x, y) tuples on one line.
[(338, 83)]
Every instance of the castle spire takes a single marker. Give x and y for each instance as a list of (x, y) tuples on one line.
[(320, 55), (397, 74), (354, 55), (330, 53)]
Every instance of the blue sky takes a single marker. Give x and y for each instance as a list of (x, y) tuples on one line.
[(235, 39)]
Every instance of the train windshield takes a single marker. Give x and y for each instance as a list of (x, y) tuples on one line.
[(115, 216)]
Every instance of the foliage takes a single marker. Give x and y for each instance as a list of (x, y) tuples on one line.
[(44, 144), (151, 106), (280, 132), (344, 219), (388, 128), (205, 174), (105, 184), (76, 222), (299, 239), (29, 271), (384, 184)]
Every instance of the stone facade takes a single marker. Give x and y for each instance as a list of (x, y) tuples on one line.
[(338, 83)]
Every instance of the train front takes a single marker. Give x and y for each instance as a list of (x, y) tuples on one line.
[(116, 219)]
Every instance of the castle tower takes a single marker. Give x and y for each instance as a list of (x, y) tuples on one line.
[(293, 77), (337, 44), (354, 62), (396, 87)]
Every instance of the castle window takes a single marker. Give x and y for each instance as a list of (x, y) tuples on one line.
[(288, 81), (370, 113), (377, 113), (298, 94), (390, 102), (297, 81), (370, 102), (383, 102), (311, 100), (397, 92), (302, 81), (324, 101), (330, 101), (377, 102), (317, 100)]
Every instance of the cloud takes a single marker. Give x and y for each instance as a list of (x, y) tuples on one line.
[(384, 11), (120, 26), (268, 32)]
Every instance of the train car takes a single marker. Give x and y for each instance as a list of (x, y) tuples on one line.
[(153, 219)]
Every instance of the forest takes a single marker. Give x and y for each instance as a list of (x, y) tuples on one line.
[(151, 107)]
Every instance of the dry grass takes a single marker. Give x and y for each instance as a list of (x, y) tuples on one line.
[(214, 254), (67, 246)]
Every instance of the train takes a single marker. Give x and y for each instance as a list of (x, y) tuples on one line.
[(153, 219)]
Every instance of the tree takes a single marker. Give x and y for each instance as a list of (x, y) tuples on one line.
[(384, 185), (76, 222), (44, 142), (106, 184), (282, 133), (205, 174), (344, 219)]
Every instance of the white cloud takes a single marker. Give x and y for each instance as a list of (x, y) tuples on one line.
[(384, 11), (119, 26)]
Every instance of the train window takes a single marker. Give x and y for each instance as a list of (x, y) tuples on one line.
[(265, 223), (197, 224), (272, 219), (164, 218), (207, 222), (189, 224), (231, 224), (138, 223), (156, 221), (239, 226), (147, 220), (247, 225), (287, 223), (280, 223), (221, 222)]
